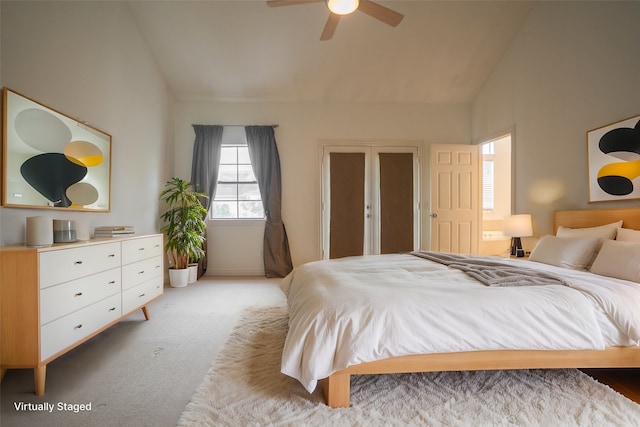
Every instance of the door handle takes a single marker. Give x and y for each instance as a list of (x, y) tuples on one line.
[(434, 215)]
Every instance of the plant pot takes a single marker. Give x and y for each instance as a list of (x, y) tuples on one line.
[(193, 272), (178, 278)]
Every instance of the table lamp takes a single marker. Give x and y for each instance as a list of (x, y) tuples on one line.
[(517, 226)]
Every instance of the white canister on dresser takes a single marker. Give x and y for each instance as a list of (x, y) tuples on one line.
[(83, 231), (39, 231)]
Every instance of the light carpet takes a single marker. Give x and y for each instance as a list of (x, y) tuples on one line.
[(244, 387)]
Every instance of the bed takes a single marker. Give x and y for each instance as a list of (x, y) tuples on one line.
[(351, 316)]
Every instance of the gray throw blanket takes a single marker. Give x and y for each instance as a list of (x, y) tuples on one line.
[(492, 273)]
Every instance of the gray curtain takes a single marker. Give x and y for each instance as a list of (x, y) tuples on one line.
[(206, 160), (265, 160), (204, 170)]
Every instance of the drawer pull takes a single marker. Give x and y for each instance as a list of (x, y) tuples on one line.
[(111, 255), (141, 295), (78, 262), (78, 326), (78, 294), (112, 309), (141, 249), (111, 282), (141, 272)]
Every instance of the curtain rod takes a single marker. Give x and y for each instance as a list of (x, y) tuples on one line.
[(273, 126)]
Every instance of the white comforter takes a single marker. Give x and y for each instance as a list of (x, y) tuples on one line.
[(360, 309)]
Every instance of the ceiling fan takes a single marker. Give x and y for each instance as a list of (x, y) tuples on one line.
[(345, 7)]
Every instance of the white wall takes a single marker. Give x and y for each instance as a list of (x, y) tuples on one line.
[(235, 247), (301, 126), (573, 67), (87, 59)]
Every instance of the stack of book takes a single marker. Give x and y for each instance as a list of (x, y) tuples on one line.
[(113, 231)]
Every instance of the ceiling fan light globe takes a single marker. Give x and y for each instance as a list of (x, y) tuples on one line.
[(342, 7)]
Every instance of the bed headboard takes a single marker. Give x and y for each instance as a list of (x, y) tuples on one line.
[(581, 218)]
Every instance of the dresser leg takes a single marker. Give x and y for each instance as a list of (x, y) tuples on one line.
[(2, 372), (145, 311), (39, 375)]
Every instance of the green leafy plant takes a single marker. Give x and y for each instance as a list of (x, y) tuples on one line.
[(184, 225)]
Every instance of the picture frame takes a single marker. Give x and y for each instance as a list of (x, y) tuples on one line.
[(51, 160), (613, 153)]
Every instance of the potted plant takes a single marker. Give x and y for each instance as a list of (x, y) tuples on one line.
[(184, 227), (194, 264)]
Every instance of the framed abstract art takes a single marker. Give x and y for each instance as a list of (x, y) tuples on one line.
[(51, 160), (614, 161)]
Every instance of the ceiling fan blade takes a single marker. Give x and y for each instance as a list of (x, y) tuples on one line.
[(277, 3), (330, 27), (380, 12)]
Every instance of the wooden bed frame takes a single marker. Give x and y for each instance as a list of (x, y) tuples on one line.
[(336, 388)]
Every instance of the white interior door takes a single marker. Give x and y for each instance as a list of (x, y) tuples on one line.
[(455, 206)]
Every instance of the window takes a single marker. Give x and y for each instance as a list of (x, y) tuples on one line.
[(487, 185), (237, 194), (488, 148), (496, 180), (487, 176)]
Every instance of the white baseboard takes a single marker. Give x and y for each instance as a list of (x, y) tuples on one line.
[(220, 272)]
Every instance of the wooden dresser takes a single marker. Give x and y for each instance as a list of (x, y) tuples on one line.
[(53, 299)]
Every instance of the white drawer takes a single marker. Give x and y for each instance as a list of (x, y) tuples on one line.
[(142, 271), (135, 298), (138, 249), (68, 264), (59, 334), (60, 300)]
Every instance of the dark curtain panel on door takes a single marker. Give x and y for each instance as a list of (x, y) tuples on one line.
[(204, 169), (396, 202), (265, 160), (346, 224)]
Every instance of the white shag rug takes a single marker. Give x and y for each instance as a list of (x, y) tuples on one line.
[(244, 387)]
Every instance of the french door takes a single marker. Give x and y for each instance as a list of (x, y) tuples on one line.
[(370, 199)]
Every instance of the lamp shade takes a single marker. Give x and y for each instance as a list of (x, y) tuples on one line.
[(342, 7), (518, 226)]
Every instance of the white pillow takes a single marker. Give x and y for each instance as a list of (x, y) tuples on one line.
[(607, 231), (618, 259), (575, 253), (628, 235)]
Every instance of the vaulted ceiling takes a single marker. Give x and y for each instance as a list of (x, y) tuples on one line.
[(244, 51)]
